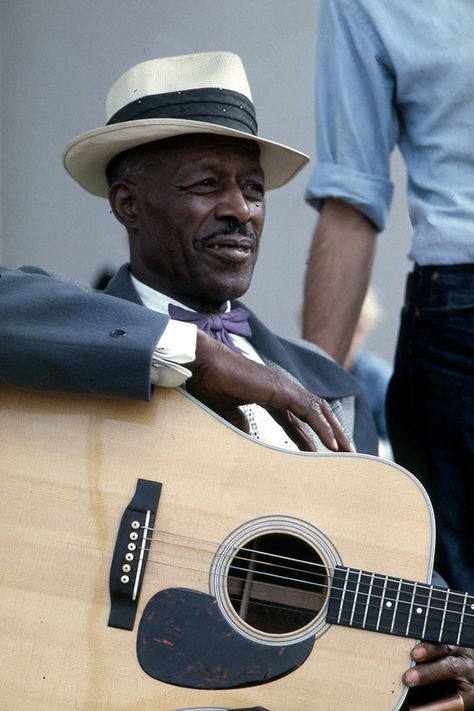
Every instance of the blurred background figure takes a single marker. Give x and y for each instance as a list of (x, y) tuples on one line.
[(371, 370)]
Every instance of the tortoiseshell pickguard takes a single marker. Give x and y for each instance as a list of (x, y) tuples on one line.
[(183, 639)]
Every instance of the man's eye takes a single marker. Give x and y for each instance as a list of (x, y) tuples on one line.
[(255, 189), (202, 185)]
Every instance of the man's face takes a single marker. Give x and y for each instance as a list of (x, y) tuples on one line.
[(200, 212)]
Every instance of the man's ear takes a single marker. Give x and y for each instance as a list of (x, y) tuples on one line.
[(122, 199)]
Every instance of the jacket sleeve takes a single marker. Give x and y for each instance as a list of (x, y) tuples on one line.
[(57, 336)]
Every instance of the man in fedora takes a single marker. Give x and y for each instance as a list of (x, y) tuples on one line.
[(185, 172)]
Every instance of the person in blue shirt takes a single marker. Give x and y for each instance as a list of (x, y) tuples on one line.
[(396, 73)]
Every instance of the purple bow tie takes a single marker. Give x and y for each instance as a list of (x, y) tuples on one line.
[(217, 326)]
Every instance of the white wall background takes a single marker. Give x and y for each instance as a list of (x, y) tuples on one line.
[(59, 58)]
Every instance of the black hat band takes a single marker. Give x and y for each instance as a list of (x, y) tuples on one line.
[(218, 106)]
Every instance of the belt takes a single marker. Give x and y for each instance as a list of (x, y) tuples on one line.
[(443, 268), (425, 271)]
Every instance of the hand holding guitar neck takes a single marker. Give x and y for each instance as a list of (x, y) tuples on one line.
[(442, 663)]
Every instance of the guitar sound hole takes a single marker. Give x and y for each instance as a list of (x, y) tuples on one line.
[(277, 583)]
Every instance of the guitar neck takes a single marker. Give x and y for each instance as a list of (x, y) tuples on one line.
[(381, 603)]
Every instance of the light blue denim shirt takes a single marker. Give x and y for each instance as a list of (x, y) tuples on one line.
[(399, 72)]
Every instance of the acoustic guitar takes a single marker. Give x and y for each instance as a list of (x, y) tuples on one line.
[(156, 558)]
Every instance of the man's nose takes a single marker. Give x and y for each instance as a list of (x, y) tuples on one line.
[(233, 205)]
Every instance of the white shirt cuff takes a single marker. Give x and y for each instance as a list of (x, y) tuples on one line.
[(176, 346)]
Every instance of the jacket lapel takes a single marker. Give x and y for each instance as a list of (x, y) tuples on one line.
[(121, 285)]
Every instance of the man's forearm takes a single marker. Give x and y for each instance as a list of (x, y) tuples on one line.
[(337, 276)]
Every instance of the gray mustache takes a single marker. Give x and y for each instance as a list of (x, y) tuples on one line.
[(231, 228)]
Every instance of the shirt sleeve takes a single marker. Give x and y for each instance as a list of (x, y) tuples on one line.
[(177, 345), (356, 118)]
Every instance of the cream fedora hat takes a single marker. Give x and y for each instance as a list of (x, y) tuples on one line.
[(160, 98)]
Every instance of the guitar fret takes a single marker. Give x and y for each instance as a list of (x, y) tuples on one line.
[(412, 602), (465, 634), (343, 596), (382, 599), (464, 606), (427, 615), (397, 600), (445, 607), (357, 591), (373, 612), (367, 606), (435, 614), (334, 604)]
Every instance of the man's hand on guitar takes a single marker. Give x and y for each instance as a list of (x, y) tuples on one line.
[(223, 380), (443, 663)]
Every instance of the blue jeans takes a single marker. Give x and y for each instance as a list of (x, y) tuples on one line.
[(430, 408)]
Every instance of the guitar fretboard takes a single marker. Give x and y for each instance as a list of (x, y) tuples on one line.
[(382, 603)]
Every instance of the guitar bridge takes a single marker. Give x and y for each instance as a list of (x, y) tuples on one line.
[(131, 553)]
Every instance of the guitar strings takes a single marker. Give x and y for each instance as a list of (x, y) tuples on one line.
[(232, 550), (324, 572), (464, 615), (236, 549), (420, 598), (277, 556), (464, 623)]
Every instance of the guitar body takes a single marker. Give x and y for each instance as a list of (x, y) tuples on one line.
[(68, 469)]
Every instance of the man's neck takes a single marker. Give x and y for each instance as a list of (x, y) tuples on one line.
[(158, 301)]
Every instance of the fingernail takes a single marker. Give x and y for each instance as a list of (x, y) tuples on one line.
[(418, 653), (410, 677)]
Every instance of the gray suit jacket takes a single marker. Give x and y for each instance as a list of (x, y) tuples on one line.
[(57, 336)]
